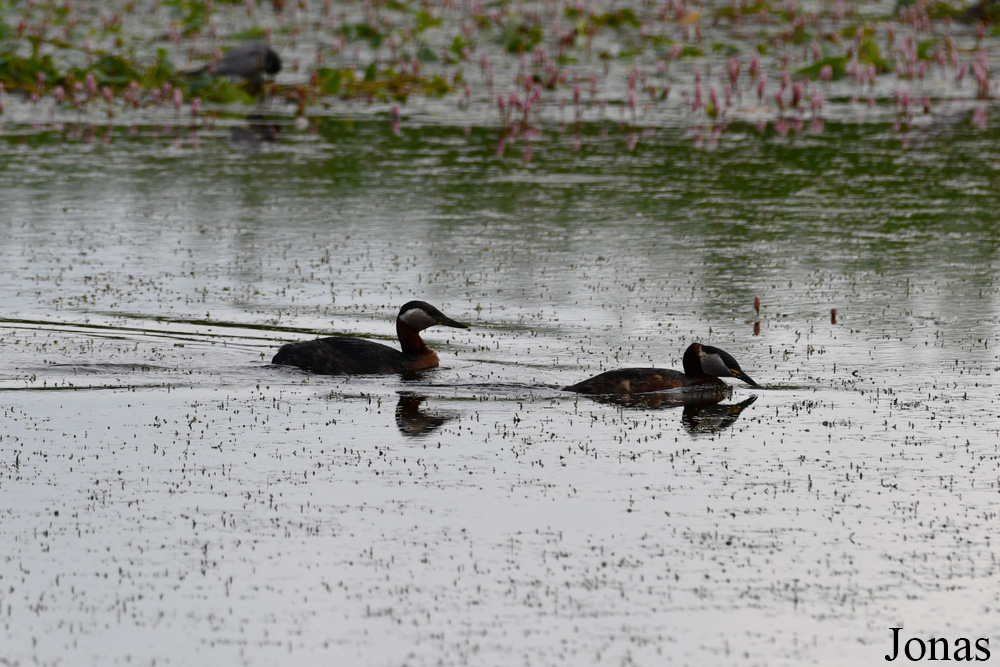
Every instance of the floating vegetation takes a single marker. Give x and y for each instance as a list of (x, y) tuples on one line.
[(643, 65)]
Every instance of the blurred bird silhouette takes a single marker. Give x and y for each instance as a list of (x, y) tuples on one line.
[(249, 61)]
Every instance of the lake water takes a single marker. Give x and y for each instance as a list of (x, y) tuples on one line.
[(167, 496)]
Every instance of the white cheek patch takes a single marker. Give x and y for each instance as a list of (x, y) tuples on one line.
[(417, 319), (713, 364)]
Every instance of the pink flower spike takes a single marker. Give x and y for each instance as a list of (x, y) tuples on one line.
[(826, 73), (178, 99), (817, 101), (195, 107)]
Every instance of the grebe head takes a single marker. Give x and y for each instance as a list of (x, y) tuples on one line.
[(418, 315), (721, 364)]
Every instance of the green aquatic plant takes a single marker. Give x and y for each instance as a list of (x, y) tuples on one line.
[(329, 80), (380, 84), (192, 17), (363, 31), (519, 36), (614, 19), (111, 70), (22, 73), (869, 54), (424, 20), (733, 11), (837, 65), (220, 90), (6, 32)]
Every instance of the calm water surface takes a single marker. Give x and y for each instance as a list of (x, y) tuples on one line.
[(170, 497)]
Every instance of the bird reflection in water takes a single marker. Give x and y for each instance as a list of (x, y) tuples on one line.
[(258, 130), (704, 412), (713, 417), (414, 421)]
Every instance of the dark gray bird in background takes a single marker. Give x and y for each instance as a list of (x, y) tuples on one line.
[(248, 61)]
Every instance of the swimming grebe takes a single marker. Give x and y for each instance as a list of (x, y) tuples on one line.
[(703, 366), (343, 355)]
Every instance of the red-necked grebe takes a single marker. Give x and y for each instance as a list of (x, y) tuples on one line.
[(343, 355), (703, 366)]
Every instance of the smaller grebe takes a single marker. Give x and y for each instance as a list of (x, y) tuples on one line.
[(703, 366), (343, 355)]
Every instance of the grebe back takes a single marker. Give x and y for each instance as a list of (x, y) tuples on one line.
[(703, 366), (343, 355)]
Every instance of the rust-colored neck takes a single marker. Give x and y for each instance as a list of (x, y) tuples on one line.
[(418, 355), (409, 339)]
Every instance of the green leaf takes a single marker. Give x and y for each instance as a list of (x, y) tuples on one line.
[(727, 49), (728, 12), (114, 71), (220, 91), (837, 63), (519, 38), (852, 30), (437, 86), (329, 80), (426, 54), (458, 45), (254, 33), (425, 20), (869, 54), (927, 48)]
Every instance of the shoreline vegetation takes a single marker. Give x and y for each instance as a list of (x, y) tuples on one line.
[(519, 66)]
